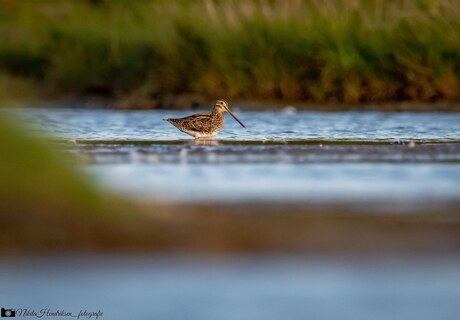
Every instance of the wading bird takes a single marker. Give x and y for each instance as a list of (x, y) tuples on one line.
[(204, 125)]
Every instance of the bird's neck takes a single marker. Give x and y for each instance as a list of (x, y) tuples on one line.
[(217, 112)]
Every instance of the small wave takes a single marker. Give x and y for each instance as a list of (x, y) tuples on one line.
[(281, 141)]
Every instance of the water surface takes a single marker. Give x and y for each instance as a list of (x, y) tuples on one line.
[(252, 288), (401, 159), (260, 126)]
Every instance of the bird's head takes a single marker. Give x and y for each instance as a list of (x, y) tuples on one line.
[(222, 106)]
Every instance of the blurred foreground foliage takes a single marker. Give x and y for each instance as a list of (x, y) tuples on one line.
[(318, 50), (44, 204)]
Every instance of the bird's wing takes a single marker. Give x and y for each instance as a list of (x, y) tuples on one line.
[(197, 122)]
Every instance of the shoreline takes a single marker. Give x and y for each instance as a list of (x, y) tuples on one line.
[(189, 103)]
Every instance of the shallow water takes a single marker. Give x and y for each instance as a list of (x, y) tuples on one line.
[(396, 163), (409, 184), (402, 159), (136, 287), (278, 126)]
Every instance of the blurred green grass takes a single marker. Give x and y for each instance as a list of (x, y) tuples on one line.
[(47, 205), (320, 51)]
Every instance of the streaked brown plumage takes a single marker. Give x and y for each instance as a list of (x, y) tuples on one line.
[(204, 125)]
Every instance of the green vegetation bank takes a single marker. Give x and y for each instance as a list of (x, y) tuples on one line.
[(319, 51)]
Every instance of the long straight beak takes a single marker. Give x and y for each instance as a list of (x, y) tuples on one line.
[(231, 113)]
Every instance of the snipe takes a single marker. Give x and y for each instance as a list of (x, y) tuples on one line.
[(204, 125)]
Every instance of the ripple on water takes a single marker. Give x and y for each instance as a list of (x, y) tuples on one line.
[(396, 158), (142, 125)]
